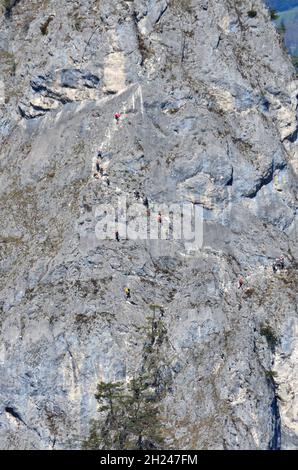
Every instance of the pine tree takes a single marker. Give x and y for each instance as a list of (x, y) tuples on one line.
[(132, 411)]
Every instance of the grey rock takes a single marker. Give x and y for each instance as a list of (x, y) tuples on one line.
[(208, 118)]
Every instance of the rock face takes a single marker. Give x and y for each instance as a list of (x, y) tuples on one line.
[(208, 104)]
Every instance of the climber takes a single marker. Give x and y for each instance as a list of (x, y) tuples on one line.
[(145, 202), (105, 177), (117, 117), (274, 267), (99, 154), (117, 236), (159, 218), (281, 262), (127, 292), (136, 195), (240, 283)]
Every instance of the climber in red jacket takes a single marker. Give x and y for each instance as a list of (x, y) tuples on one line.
[(240, 282), (117, 117)]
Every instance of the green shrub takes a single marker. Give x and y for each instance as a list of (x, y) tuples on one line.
[(295, 61), (45, 25), (273, 14), (79, 147), (7, 60), (281, 28), (269, 334), (249, 292), (78, 21), (271, 375), (8, 5)]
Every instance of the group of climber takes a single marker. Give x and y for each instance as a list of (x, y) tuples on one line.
[(143, 198), (277, 265), (100, 173), (145, 202)]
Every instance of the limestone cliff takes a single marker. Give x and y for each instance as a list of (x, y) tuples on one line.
[(208, 103)]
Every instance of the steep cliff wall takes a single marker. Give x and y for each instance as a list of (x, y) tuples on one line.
[(208, 104)]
